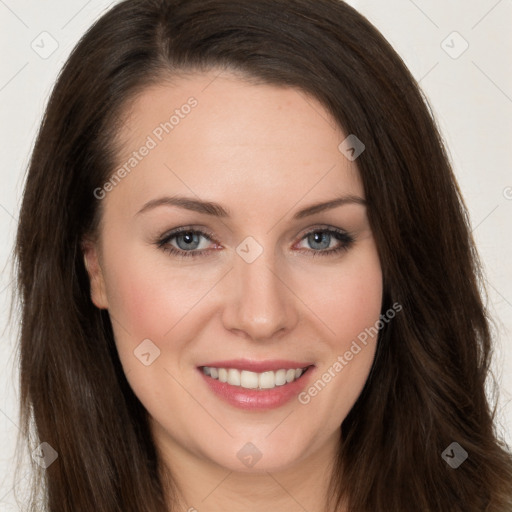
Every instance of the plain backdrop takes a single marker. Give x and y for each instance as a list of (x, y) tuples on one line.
[(458, 50)]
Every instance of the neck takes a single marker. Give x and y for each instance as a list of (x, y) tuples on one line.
[(203, 486)]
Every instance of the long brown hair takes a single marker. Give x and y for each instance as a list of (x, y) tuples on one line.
[(426, 387)]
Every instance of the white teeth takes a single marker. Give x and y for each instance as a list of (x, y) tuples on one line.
[(267, 380), (253, 380), (249, 380), (223, 375), (233, 377), (280, 377)]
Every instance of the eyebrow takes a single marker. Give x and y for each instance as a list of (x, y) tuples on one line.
[(216, 210)]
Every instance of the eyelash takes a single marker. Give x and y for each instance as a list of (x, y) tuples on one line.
[(345, 239)]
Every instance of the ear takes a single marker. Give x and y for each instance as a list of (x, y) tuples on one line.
[(92, 263)]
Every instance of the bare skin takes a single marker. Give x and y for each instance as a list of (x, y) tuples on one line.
[(263, 153)]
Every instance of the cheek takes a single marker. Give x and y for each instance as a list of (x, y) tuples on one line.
[(350, 297), (147, 297), (350, 306)]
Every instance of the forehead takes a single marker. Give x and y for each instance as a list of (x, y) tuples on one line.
[(220, 137)]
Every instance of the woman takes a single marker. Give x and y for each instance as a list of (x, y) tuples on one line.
[(247, 277)]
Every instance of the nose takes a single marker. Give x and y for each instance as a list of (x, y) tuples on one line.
[(260, 304)]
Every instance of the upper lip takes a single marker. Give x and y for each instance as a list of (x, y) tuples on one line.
[(258, 366)]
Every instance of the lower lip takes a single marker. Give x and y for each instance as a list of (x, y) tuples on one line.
[(250, 399)]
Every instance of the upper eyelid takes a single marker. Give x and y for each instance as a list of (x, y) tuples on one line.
[(186, 229), (324, 227)]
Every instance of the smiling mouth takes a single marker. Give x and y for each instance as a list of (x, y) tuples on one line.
[(253, 380)]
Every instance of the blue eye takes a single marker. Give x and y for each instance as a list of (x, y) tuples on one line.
[(320, 241), (189, 242)]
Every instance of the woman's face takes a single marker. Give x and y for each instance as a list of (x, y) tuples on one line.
[(281, 274)]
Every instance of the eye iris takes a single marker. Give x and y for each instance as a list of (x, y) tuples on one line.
[(191, 240), (320, 238)]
